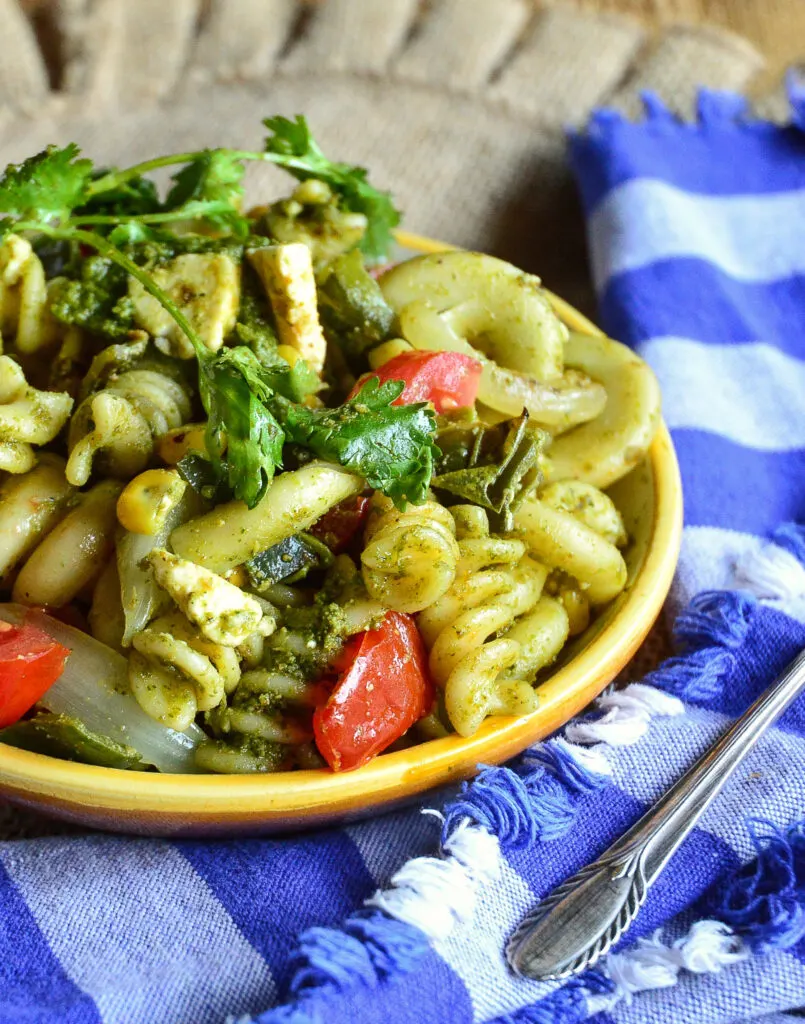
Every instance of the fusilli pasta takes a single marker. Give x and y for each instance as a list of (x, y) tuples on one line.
[(27, 417), (122, 422), (25, 315), (409, 559), (484, 651), (174, 672)]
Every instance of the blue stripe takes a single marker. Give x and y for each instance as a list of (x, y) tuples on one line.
[(602, 818), (33, 987), (275, 889), (772, 642), (756, 158), (693, 299), (432, 994), (737, 488)]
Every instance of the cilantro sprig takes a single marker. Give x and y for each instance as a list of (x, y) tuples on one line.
[(253, 409)]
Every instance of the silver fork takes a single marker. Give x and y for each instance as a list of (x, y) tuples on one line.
[(580, 920)]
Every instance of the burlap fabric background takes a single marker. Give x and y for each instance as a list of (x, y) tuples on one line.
[(458, 106)]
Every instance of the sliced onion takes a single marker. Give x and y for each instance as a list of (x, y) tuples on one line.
[(94, 689), (142, 599)]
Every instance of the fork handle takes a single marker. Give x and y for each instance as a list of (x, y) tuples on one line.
[(581, 919)]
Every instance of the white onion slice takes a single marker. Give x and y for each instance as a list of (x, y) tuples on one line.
[(94, 689)]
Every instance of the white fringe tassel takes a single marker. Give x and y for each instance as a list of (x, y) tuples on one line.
[(772, 574), (708, 947), (628, 713), (436, 893)]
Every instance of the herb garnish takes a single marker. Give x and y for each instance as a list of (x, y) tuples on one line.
[(251, 405)]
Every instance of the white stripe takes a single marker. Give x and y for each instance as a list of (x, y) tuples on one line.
[(748, 393), (475, 951), (710, 560), (767, 784), (135, 927), (751, 237)]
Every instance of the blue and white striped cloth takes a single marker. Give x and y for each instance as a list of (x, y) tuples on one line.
[(698, 242)]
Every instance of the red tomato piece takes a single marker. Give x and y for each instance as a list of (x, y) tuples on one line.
[(447, 379), (337, 527), (30, 663), (379, 694)]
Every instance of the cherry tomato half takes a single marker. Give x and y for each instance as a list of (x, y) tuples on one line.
[(447, 379), (382, 690), (30, 663), (338, 526)]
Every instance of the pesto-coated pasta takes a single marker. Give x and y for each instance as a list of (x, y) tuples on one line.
[(409, 558), (483, 665), (310, 505), (27, 417), (25, 316), (74, 553), (31, 505), (119, 425), (232, 533), (563, 541), (175, 672)]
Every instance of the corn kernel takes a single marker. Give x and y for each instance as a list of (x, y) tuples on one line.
[(147, 499), (388, 350), (238, 576), (178, 442), (289, 354)]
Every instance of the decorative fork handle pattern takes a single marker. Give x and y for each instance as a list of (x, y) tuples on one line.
[(580, 920)]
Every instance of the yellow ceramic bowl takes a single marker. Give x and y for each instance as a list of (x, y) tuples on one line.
[(650, 499)]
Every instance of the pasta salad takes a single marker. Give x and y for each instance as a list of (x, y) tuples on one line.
[(269, 501)]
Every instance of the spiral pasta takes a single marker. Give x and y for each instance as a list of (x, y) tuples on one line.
[(25, 313), (492, 631), (409, 559), (174, 672), (122, 422), (27, 417)]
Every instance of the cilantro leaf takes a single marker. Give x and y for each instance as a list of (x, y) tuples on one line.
[(210, 186), (292, 146), (390, 445), (131, 198), (243, 438), (45, 188)]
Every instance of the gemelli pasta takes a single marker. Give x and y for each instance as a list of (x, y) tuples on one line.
[(307, 505)]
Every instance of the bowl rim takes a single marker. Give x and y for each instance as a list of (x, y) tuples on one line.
[(302, 796)]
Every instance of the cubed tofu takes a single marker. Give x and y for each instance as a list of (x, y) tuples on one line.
[(287, 275), (221, 611), (205, 287)]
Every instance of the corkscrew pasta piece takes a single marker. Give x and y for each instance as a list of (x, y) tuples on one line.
[(604, 450), (174, 672), (505, 313), (409, 559), (73, 553), (31, 505), (558, 404), (27, 417), (590, 506), (119, 424), (25, 315), (563, 540), (482, 668)]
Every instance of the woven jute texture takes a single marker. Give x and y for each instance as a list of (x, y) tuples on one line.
[(458, 106)]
